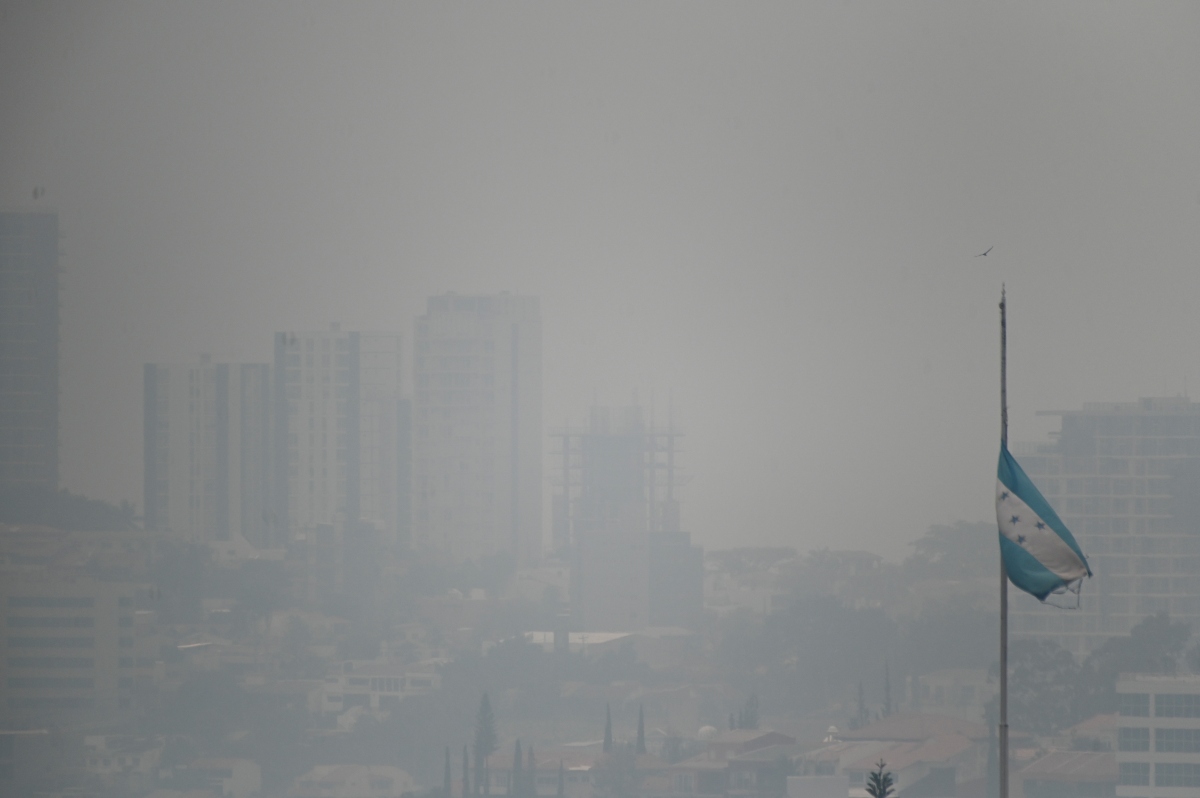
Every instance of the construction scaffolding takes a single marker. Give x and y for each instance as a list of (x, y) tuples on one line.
[(616, 520), (617, 466)]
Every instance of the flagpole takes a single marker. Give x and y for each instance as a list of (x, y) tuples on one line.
[(1003, 764)]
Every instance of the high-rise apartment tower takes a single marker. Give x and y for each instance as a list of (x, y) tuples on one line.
[(340, 432), (28, 350), (207, 452), (477, 441)]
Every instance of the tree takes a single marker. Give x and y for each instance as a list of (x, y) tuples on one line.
[(863, 716), (517, 783), (485, 743), (446, 775), (951, 552), (887, 690), (879, 783), (1043, 681), (641, 737), (747, 717), (607, 729), (62, 509), (1153, 646)]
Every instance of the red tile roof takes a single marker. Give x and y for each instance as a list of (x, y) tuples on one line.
[(1091, 766), (917, 726)]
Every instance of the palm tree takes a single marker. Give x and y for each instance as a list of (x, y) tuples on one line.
[(879, 783)]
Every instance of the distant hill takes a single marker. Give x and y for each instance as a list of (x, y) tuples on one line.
[(62, 509)]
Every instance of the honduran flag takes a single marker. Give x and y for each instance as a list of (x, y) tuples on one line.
[(1039, 552)]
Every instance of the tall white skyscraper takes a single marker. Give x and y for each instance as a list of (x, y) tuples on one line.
[(207, 452), (341, 432), (477, 442)]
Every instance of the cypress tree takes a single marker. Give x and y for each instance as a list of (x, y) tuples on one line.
[(516, 785), (887, 690), (607, 729), (641, 738), (485, 744)]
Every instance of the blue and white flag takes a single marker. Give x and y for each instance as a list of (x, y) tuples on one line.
[(1039, 552)]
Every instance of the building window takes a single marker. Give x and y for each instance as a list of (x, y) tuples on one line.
[(51, 622), (1134, 705), (51, 602), (1133, 739), (1177, 775), (1134, 774), (1177, 741), (51, 642), (52, 682), (1177, 706)]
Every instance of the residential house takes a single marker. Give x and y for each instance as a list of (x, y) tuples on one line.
[(352, 781), (1070, 774)]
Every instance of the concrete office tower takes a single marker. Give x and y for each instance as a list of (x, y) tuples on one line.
[(478, 428), (207, 452), (69, 649), (29, 350), (341, 433), (1126, 480), (617, 519), (1158, 740)]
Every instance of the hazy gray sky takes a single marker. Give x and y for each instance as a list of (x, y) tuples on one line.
[(768, 212)]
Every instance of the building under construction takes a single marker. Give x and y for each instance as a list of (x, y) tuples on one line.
[(616, 520)]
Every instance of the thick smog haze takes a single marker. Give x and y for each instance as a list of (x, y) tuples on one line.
[(762, 221)]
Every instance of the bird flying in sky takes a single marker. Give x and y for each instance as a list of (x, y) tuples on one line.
[(986, 251)]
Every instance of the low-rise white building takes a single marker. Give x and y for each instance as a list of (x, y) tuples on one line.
[(374, 685), (234, 778)]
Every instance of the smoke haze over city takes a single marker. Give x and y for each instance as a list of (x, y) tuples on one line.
[(389, 391), (760, 221)]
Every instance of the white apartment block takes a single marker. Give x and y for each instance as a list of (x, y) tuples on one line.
[(340, 432), (477, 442), (207, 451), (1158, 742)]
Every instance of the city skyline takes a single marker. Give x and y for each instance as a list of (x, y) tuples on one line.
[(766, 220)]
